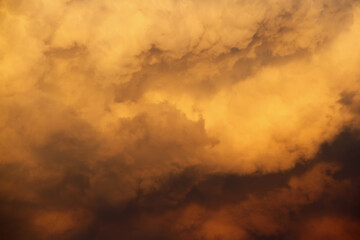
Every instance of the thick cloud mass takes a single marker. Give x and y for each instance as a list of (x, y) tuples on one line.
[(179, 119)]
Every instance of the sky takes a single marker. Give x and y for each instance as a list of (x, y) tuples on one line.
[(179, 119)]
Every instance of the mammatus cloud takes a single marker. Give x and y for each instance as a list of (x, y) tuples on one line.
[(179, 119)]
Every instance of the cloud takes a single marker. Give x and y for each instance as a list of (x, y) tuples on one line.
[(178, 119), (294, 204)]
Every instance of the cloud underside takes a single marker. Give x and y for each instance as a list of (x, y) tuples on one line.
[(179, 119)]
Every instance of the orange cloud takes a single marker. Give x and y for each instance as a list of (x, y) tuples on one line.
[(104, 104)]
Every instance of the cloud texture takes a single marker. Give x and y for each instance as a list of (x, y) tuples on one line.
[(179, 119)]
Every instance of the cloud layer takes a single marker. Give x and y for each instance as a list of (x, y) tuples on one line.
[(173, 119)]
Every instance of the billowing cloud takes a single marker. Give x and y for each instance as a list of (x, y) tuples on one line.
[(173, 119)]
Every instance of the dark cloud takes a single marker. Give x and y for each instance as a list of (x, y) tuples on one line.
[(195, 195), (230, 192)]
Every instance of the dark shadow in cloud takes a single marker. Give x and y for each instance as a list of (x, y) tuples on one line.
[(216, 191), (276, 40), (155, 214), (351, 101), (164, 73), (345, 150)]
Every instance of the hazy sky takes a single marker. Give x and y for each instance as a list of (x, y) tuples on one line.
[(180, 119)]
